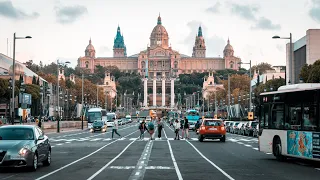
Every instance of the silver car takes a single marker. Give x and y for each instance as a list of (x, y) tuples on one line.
[(24, 146)]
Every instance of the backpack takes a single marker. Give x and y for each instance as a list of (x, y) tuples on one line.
[(150, 126)]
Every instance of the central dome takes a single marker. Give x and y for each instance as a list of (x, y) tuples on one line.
[(159, 36)]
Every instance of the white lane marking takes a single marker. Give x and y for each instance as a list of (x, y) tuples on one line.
[(9, 176), (159, 167), (132, 139), (58, 144), (137, 173), (65, 166), (213, 164), (107, 139), (96, 139), (68, 142), (173, 159), (194, 139), (170, 139), (122, 167), (255, 149), (248, 145), (52, 146), (105, 166), (318, 169), (268, 153)]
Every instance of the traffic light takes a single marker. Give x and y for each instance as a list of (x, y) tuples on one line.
[(215, 116), (250, 115)]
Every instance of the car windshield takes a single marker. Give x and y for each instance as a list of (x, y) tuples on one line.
[(213, 123), (16, 134)]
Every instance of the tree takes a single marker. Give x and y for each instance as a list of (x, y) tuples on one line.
[(273, 84), (262, 67), (38, 81), (311, 73)]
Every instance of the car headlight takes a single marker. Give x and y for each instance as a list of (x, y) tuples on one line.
[(24, 150)]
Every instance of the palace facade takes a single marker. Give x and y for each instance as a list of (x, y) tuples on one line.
[(160, 60)]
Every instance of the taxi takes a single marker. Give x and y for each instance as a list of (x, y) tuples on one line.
[(212, 129)]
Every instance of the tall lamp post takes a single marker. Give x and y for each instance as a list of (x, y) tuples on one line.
[(250, 93), (290, 57), (13, 72), (58, 92)]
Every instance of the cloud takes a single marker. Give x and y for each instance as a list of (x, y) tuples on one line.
[(104, 49), (215, 8), (248, 12), (9, 11), (314, 12), (280, 47), (264, 23), (69, 14), (214, 44), (245, 11)]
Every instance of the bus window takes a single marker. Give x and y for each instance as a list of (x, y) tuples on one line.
[(309, 117), (93, 116), (293, 117), (277, 111), (266, 116)]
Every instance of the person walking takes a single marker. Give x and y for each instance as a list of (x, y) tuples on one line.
[(39, 123), (142, 128), (182, 128), (186, 127), (160, 127), (115, 128), (176, 126), (151, 129)]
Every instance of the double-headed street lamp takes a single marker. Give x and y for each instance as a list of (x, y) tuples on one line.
[(290, 57), (250, 98), (13, 71), (58, 91)]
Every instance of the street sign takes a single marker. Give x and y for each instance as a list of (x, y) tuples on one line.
[(250, 115)]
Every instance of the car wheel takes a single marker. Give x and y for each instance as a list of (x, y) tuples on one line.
[(223, 139), (47, 162), (200, 138), (34, 166)]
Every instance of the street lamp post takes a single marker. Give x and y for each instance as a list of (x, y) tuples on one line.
[(58, 93), (250, 91), (82, 76), (13, 72), (290, 57)]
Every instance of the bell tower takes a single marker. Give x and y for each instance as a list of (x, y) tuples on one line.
[(199, 48)]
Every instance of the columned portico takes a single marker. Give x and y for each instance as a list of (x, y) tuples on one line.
[(154, 91), (172, 93), (145, 92), (163, 92)]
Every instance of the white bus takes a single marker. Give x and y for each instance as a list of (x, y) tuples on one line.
[(109, 119), (289, 122), (95, 114)]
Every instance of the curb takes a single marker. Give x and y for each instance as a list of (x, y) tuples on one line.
[(65, 131)]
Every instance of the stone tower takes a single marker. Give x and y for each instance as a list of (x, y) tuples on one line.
[(119, 48), (90, 51), (199, 48)]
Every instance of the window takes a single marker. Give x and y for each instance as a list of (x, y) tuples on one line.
[(87, 64), (277, 119), (293, 117), (309, 117)]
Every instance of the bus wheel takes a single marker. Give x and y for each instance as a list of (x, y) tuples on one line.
[(277, 149)]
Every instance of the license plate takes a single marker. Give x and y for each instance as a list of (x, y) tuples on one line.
[(213, 129)]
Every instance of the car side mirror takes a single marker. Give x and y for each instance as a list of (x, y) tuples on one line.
[(41, 138)]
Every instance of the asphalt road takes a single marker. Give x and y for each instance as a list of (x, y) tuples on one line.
[(84, 155)]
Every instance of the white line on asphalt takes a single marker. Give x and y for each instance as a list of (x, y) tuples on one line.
[(268, 153), (52, 146), (248, 145), (159, 167), (122, 167), (63, 167), (255, 149), (173, 159), (105, 166), (9, 176), (58, 144), (213, 164), (318, 169)]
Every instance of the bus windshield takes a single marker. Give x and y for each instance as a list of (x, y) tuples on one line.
[(193, 113), (110, 117), (93, 116)]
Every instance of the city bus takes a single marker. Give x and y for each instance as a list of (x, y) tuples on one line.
[(193, 116), (289, 122), (109, 119), (95, 114)]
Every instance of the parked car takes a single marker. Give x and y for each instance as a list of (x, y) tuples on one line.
[(24, 146), (250, 127), (212, 129)]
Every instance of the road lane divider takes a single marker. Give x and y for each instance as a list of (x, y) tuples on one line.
[(173, 159), (208, 160), (112, 160), (65, 166)]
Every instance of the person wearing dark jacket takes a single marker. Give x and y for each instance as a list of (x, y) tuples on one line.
[(186, 127), (142, 128)]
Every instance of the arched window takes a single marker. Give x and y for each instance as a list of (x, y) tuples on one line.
[(176, 65), (87, 64), (231, 65), (143, 65)]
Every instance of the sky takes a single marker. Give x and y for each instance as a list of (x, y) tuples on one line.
[(62, 29)]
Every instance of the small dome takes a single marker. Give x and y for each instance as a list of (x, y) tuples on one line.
[(159, 35), (228, 46), (90, 46)]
